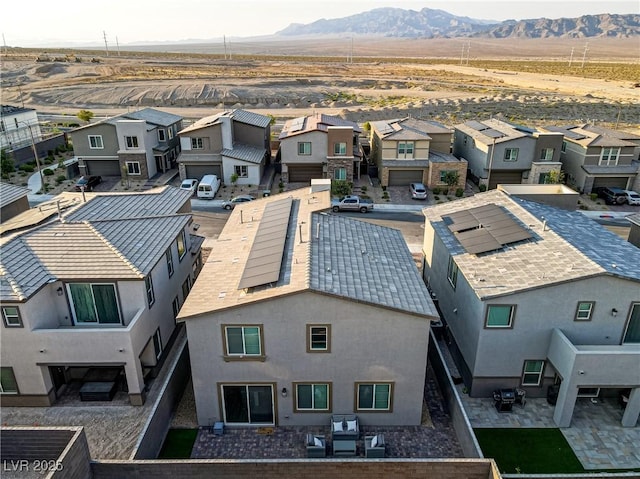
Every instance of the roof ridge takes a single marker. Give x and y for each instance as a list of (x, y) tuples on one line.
[(117, 252)]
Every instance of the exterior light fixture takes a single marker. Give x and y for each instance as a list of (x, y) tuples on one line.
[(284, 392), (614, 312)]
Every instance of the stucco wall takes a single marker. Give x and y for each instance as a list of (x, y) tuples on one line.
[(80, 139), (289, 148), (367, 344)]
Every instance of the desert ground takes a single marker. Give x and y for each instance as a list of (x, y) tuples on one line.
[(528, 81)]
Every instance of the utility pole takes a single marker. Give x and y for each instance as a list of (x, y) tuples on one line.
[(224, 41), (4, 42), (468, 50), (571, 57), (584, 54), (493, 148), (106, 46), (351, 56), (462, 55), (118, 45)]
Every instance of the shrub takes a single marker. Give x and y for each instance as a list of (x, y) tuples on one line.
[(482, 188), (593, 196), (48, 160), (363, 189), (436, 197), (340, 188), (459, 192), (60, 178), (436, 191), (47, 172), (281, 186), (27, 168)]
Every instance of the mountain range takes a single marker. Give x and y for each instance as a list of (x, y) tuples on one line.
[(432, 23)]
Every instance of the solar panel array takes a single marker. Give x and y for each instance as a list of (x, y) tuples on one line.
[(297, 124), (265, 257), (485, 228)]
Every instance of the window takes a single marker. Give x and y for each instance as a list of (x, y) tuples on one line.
[(94, 303), (170, 131), (563, 148), (318, 338), (500, 316), (169, 257), (148, 284), (452, 272), (161, 136), (197, 143), (632, 333), (444, 173), (181, 244), (340, 174), (8, 384), (157, 343), (242, 340), (340, 149), (11, 317), (532, 372), (511, 154), (312, 397), (546, 154), (584, 310), (175, 305), (609, 156), (186, 287), (133, 167), (95, 142), (405, 148), (373, 396), (464, 140), (131, 141), (304, 148), (241, 170)]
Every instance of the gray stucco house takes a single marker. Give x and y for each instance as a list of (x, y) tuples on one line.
[(298, 314), (97, 287), (499, 152), (234, 141), (320, 146), (142, 143), (534, 296), (594, 157)]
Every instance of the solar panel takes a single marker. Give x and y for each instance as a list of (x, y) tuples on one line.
[(265, 258), (297, 124), (491, 133), (476, 125), (485, 228)]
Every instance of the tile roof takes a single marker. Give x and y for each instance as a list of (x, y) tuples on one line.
[(368, 263), (247, 153), (156, 117), (241, 116), (10, 193), (591, 135), (156, 202), (565, 246), (385, 275), (21, 272)]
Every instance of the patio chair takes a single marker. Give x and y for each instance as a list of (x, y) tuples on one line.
[(521, 397), (374, 446), (316, 446)]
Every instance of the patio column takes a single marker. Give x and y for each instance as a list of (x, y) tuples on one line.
[(632, 411), (565, 404)]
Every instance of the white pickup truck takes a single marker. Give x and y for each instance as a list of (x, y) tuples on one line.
[(351, 203)]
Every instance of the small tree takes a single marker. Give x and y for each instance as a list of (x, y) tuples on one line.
[(340, 188), (234, 178), (451, 178), (555, 177), (272, 119), (85, 115), (7, 165), (125, 177)]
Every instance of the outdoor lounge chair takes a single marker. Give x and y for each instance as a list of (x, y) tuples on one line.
[(374, 446), (316, 446)]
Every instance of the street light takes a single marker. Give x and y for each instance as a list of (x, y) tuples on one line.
[(35, 154)]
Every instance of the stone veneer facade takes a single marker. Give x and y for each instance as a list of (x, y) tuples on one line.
[(141, 159)]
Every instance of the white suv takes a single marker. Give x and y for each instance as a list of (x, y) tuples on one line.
[(632, 197)]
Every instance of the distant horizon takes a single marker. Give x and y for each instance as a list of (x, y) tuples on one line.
[(142, 22)]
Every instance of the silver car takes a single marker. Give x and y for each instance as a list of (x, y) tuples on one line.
[(231, 204), (418, 191)]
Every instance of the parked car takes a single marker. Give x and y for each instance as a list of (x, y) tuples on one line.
[(351, 203), (231, 204), (633, 198), (208, 187), (88, 183), (189, 184), (418, 191), (612, 195)]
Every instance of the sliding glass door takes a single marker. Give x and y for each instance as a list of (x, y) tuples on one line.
[(248, 403)]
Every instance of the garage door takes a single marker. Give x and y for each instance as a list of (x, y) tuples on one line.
[(404, 177), (504, 178), (103, 168), (198, 171), (304, 173), (615, 182)]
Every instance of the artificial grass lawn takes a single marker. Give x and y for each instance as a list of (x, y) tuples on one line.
[(531, 451), (178, 444)]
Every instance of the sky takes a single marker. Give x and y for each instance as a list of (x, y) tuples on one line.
[(82, 22)]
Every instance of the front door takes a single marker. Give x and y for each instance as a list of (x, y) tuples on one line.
[(58, 378), (250, 404), (632, 333)]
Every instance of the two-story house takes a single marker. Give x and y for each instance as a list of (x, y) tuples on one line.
[(595, 157), (232, 142), (19, 127), (298, 313), (97, 287), (139, 144), (320, 146), (409, 150), (503, 153), (535, 296)]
